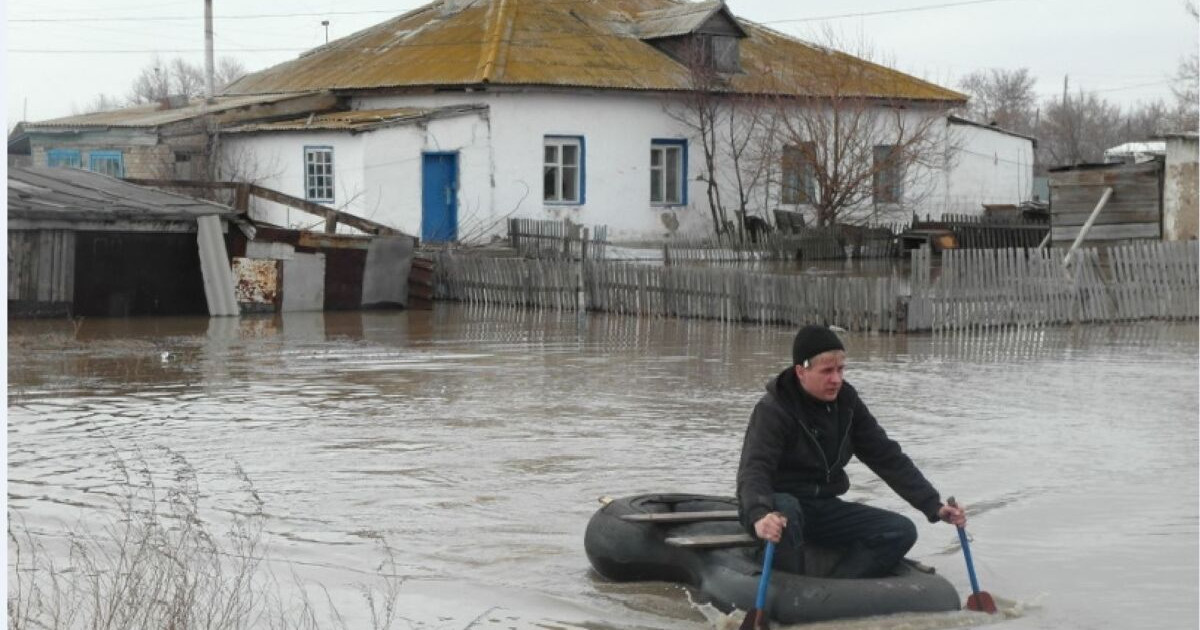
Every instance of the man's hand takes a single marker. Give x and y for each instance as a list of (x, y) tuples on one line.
[(770, 527), (953, 514)]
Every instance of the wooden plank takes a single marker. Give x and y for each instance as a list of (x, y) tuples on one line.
[(1108, 232), (714, 541), (682, 517), (1140, 213)]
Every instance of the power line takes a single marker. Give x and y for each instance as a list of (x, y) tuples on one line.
[(928, 7), (257, 16)]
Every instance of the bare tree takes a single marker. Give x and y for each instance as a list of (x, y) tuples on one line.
[(179, 77), (1077, 129), (1185, 85), (699, 110), (853, 156), (227, 71), (152, 84), (1003, 97)]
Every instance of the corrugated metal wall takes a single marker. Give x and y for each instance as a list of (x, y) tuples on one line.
[(41, 266)]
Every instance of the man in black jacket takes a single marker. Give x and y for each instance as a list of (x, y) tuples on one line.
[(801, 435)]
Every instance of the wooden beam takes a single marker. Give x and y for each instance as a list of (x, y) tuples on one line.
[(336, 216)]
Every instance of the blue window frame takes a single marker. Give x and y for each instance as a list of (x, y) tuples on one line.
[(318, 174), (564, 174), (64, 157), (110, 163), (668, 172)]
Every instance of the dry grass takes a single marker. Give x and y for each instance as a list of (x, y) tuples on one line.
[(156, 563)]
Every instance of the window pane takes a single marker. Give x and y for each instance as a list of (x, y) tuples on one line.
[(570, 155), (655, 157), (656, 186), (570, 183), (550, 183), (672, 168), (551, 154)]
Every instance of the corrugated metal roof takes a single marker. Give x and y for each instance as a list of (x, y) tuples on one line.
[(68, 194), (569, 43), (355, 121), (678, 20), (153, 115)]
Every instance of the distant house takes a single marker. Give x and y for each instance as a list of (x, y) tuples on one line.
[(991, 166), (453, 117), (1135, 152), (166, 140)]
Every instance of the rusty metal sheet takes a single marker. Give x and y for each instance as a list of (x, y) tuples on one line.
[(256, 284), (575, 44)]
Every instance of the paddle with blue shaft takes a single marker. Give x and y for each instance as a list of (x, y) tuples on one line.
[(980, 601), (756, 618)]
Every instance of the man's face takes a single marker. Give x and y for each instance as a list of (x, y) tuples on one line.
[(822, 379)]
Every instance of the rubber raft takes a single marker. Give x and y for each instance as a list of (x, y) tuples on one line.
[(696, 540)]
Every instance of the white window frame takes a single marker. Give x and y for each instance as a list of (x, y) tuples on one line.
[(557, 172), (318, 174), (671, 156)]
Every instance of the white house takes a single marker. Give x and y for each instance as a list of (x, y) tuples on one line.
[(449, 119), (497, 108)]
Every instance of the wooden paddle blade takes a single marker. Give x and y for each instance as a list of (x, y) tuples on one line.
[(982, 602), (754, 620)]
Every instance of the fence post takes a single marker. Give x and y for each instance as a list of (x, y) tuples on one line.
[(580, 286)]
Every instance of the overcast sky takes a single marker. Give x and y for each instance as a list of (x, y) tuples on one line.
[(61, 54)]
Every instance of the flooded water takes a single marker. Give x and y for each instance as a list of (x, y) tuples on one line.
[(477, 442)]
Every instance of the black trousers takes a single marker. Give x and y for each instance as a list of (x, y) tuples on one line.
[(875, 539)]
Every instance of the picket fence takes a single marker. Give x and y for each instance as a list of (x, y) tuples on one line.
[(970, 289)]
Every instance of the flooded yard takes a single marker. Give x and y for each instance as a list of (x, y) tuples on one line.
[(476, 442)]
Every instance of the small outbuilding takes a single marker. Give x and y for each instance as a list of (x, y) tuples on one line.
[(84, 244), (1133, 211)]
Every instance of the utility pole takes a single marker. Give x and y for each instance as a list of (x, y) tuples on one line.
[(208, 51)]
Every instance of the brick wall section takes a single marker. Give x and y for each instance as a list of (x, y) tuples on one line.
[(149, 162)]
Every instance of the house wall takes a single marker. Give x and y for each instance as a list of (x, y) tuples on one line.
[(378, 173), (141, 154), (1181, 203), (276, 161), (617, 129), (990, 167)]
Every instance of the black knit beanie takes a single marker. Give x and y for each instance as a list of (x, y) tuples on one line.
[(813, 340)]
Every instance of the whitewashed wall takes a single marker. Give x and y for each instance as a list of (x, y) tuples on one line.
[(617, 130), (378, 174), (276, 161), (990, 167)]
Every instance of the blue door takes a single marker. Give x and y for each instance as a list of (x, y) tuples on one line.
[(439, 197)]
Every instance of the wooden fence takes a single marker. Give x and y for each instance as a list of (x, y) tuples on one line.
[(974, 289), (670, 291), (536, 238), (1006, 287), (816, 243)]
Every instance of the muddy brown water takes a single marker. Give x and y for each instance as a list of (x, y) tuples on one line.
[(477, 441)]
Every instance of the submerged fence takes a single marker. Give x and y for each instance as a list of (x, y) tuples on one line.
[(971, 289), (986, 288)]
